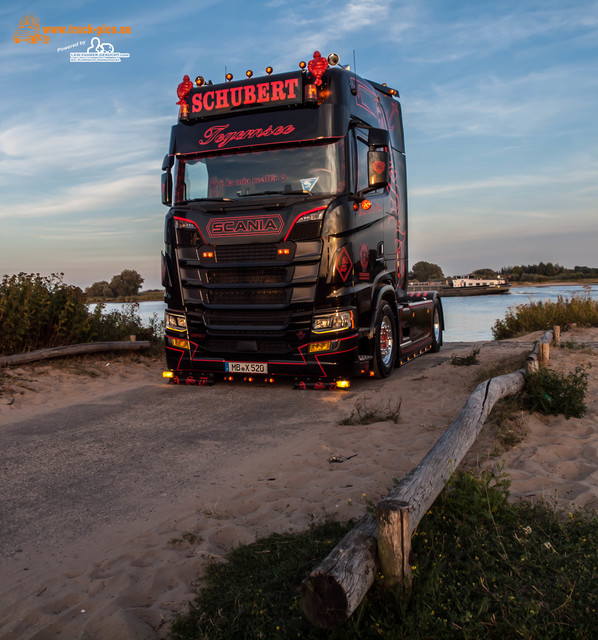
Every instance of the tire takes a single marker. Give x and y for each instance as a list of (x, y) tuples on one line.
[(437, 327), (385, 342)]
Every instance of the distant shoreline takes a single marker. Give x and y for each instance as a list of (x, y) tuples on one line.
[(555, 283), (144, 296)]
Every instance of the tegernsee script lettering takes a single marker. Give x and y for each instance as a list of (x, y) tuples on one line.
[(259, 225), (219, 135), (267, 93)]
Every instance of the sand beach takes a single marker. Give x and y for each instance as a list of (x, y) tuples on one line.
[(127, 575)]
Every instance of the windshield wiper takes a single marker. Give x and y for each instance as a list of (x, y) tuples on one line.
[(276, 193), (208, 200)]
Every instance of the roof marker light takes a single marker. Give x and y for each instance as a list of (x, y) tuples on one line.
[(249, 73), (229, 77), (269, 70), (302, 64), (200, 81), (311, 93), (333, 59)]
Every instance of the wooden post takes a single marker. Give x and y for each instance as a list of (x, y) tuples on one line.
[(544, 353), (539, 354), (394, 543), (556, 330)]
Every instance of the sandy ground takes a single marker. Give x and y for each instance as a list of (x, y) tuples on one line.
[(129, 583)]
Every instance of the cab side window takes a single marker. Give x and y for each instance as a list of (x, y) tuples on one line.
[(361, 144)]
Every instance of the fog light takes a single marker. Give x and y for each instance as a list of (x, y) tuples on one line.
[(317, 347), (167, 374), (179, 343)]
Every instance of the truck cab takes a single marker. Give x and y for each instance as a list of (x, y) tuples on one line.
[(286, 236)]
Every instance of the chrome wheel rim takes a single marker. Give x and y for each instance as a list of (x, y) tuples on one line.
[(386, 340), (437, 331)]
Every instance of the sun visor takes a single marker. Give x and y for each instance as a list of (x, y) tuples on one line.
[(260, 129)]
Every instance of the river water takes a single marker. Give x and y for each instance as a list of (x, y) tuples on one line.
[(466, 319)]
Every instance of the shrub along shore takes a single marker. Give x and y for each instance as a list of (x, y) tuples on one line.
[(38, 312)]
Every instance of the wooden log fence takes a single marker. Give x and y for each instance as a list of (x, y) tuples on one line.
[(73, 350), (334, 589)]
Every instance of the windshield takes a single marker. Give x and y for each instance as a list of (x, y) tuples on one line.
[(313, 170)]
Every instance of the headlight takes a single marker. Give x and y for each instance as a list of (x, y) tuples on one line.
[(178, 323), (312, 216), (338, 321)]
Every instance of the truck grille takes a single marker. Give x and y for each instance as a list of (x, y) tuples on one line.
[(246, 253), (246, 318), (250, 275), (248, 296)]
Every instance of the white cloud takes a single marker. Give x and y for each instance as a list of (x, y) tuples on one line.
[(83, 198)]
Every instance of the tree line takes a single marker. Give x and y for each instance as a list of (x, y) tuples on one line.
[(423, 271), (127, 283)]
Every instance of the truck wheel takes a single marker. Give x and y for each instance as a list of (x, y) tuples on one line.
[(437, 328), (385, 343)]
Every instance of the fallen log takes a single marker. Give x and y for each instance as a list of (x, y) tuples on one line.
[(331, 593), (73, 350)]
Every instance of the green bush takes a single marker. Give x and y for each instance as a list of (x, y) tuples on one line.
[(540, 315), (551, 393), (38, 312)]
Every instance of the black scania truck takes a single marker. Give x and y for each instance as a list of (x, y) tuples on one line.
[(286, 238)]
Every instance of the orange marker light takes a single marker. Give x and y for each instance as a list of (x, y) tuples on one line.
[(284, 252), (269, 70), (249, 73), (366, 204), (311, 92), (229, 77), (208, 254)]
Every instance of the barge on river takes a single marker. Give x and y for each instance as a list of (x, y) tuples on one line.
[(464, 286)]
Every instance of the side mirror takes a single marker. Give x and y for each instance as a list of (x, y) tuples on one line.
[(378, 174), (168, 162), (167, 188), (378, 171)]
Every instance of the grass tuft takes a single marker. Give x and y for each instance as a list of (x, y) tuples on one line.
[(365, 413)]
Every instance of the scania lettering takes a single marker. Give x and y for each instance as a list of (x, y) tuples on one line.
[(286, 236)]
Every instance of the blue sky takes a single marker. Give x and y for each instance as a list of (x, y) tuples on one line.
[(500, 102)]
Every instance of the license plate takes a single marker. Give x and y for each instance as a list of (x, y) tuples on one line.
[(246, 367)]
